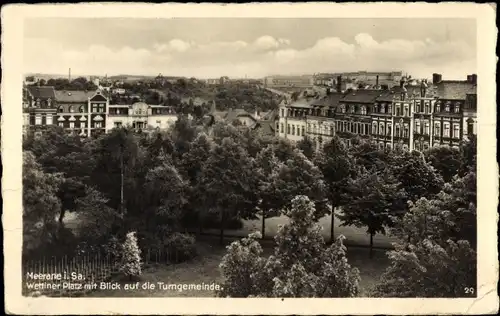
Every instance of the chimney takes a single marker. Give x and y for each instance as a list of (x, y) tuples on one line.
[(69, 75), (423, 88), (472, 79), (376, 84), (436, 78)]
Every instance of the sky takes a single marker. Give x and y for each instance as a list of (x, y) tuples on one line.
[(249, 47)]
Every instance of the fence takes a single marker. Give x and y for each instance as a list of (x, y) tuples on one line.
[(79, 275)]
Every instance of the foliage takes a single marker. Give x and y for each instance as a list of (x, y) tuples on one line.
[(367, 154), (373, 199), (97, 220), (446, 160), (183, 245), (131, 257), (417, 176), (302, 266), (307, 146), (299, 176), (40, 203), (436, 248)]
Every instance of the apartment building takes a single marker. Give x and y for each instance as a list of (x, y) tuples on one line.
[(405, 117), (140, 116)]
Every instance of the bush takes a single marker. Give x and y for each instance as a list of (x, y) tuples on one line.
[(130, 264), (302, 264), (182, 246)]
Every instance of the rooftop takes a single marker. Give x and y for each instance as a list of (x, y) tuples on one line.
[(74, 95), (455, 90), (43, 92), (363, 96)]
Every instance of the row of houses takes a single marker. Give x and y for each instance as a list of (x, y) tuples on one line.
[(409, 117), (87, 113)]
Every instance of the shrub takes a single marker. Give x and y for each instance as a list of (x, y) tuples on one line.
[(302, 264), (130, 264), (181, 246)]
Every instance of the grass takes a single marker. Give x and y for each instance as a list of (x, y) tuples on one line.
[(205, 269)]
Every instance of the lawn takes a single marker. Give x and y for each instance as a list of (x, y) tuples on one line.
[(205, 269)]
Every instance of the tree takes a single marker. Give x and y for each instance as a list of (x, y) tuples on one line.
[(446, 160), (299, 176), (436, 248), (366, 153), (373, 200), (417, 176), (468, 153), (131, 257), (267, 168), (307, 146), (302, 265), (336, 166), (228, 183), (40, 203), (97, 220)]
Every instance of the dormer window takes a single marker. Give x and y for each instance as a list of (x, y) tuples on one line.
[(363, 110), (352, 108), (438, 107), (382, 108), (447, 107), (375, 108), (71, 109), (342, 108), (457, 108), (60, 109)]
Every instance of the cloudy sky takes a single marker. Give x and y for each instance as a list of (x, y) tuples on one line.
[(250, 47)]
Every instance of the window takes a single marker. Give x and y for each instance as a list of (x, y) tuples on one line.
[(426, 107), (282, 113), (374, 128), (417, 126), (375, 108), (417, 106), (397, 130), (389, 128), (61, 124), (457, 108), (352, 109), (71, 124), (97, 124), (82, 109), (118, 124), (158, 123), (426, 145), (417, 146), (281, 128), (303, 128), (288, 129), (406, 130), (71, 109), (293, 129), (82, 124), (381, 146), (447, 107), (438, 107), (427, 128), (342, 108), (314, 129), (101, 108), (388, 145), (382, 108), (389, 109), (332, 130), (60, 109), (470, 127), (38, 119), (446, 130), (381, 129), (94, 108), (437, 129), (398, 110), (48, 119), (308, 128), (363, 110), (456, 131), (407, 111)]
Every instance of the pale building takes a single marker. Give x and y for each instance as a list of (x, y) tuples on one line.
[(140, 116)]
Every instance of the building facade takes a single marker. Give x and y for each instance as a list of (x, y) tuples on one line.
[(140, 116), (405, 117), (305, 81)]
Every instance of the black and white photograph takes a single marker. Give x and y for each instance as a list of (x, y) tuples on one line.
[(225, 156)]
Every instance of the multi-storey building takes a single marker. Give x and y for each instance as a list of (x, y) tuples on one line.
[(305, 81), (405, 117), (83, 112), (39, 108), (140, 116)]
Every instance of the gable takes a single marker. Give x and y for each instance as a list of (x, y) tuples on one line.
[(98, 98)]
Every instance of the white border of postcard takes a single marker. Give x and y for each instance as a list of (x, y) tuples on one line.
[(487, 300)]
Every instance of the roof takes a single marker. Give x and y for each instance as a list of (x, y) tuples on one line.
[(43, 92), (267, 127), (74, 95), (455, 90), (234, 114), (363, 96)]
